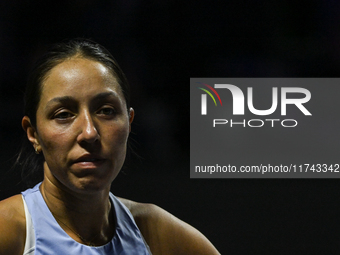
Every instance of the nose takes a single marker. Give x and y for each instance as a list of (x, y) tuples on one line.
[(88, 131)]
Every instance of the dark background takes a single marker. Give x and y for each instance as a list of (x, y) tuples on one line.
[(160, 45)]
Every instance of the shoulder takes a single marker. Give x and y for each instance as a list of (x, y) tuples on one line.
[(166, 234), (12, 225)]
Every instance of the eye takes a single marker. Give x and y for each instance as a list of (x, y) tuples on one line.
[(63, 115), (107, 111)]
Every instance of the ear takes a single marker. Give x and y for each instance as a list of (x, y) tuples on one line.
[(131, 116), (31, 132)]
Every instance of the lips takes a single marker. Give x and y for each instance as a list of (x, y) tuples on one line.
[(88, 161)]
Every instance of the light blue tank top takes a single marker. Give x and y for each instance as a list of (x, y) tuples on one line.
[(51, 239)]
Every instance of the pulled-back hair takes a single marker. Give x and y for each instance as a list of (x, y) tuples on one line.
[(31, 163)]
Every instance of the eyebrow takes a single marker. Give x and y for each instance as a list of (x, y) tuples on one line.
[(68, 99), (105, 95), (64, 99)]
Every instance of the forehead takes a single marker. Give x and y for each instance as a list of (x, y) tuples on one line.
[(78, 77)]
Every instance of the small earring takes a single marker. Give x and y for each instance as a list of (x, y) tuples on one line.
[(36, 150)]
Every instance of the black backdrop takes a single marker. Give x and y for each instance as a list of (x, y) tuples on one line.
[(160, 45)]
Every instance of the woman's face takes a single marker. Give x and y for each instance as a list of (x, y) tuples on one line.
[(82, 125)]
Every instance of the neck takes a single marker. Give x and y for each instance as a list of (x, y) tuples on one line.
[(87, 218)]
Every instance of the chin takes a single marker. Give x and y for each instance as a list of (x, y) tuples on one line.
[(90, 185)]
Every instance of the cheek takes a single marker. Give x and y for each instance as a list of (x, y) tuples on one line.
[(54, 142), (117, 138)]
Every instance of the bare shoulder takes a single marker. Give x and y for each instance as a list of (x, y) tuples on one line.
[(12, 225), (166, 234)]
